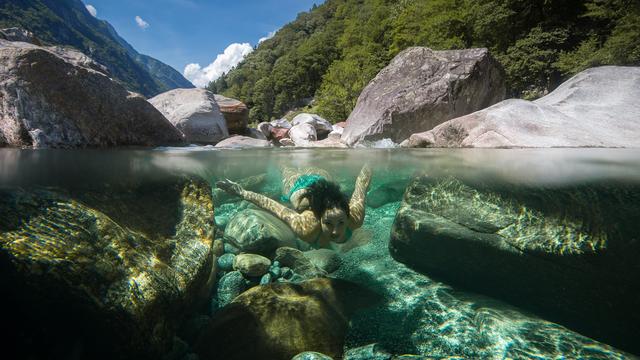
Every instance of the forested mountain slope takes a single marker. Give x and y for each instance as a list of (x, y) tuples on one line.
[(67, 22), (331, 52)]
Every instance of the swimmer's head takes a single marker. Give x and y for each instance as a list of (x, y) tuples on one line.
[(334, 224), (331, 206)]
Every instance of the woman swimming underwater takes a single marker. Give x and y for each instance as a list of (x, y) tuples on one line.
[(321, 213)]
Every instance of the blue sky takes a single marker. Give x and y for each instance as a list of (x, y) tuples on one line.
[(182, 32)]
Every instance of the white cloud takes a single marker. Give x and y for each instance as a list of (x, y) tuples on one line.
[(224, 62), (269, 36), (92, 10), (141, 23)]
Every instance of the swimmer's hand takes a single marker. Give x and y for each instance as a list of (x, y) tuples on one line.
[(230, 187)]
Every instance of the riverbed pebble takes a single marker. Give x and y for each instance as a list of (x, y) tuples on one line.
[(266, 279), (225, 262), (311, 355), (251, 265), (230, 286)]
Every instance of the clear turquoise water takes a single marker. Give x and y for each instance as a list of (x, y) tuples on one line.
[(418, 315)]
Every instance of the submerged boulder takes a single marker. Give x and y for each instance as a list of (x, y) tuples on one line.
[(235, 112), (569, 254), (57, 97), (194, 112), (257, 231), (103, 273), (422, 88), (598, 107), (279, 320)]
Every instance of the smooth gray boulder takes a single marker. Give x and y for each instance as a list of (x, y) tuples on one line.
[(240, 141), (322, 126), (303, 134), (422, 88), (598, 107), (194, 112), (57, 97), (257, 231), (567, 253)]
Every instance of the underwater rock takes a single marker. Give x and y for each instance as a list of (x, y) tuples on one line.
[(266, 279), (422, 88), (567, 253), (423, 316), (324, 259), (368, 352), (230, 285), (235, 112), (251, 265), (218, 247), (598, 107), (384, 194), (104, 273), (296, 261), (194, 112), (225, 262), (59, 97), (311, 355), (259, 232), (279, 320)]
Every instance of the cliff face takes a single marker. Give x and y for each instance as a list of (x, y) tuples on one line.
[(68, 23)]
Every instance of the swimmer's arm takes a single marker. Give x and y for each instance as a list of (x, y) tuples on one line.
[(302, 224), (357, 202)]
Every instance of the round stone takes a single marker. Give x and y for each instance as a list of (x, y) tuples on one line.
[(251, 265), (266, 279), (311, 355), (230, 286), (225, 262)]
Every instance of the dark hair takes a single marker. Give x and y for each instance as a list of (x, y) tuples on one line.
[(323, 195)]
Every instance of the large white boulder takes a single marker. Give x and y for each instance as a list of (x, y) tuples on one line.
[(322, 126), (194, 112), (598, 107), (302, 134)]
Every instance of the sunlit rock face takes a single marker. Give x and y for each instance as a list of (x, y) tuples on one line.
[(421, 315), (569, 254), (422, 88), (194, 112), (58, 97), (104, 272), (278, 321), (598, 107)]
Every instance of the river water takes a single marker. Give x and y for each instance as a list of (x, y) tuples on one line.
[(582, 219)]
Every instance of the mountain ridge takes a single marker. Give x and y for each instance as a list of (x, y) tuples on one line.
[(68, 23)]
